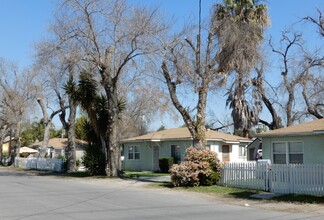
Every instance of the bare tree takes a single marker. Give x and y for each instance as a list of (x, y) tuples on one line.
[(304, 71), (59, 68), (47, 123), (312, 83), (4, 127), (110, 36), (313, 86), (143, 104), (260, 90), (189, 62), (17, 94), (319, 21)]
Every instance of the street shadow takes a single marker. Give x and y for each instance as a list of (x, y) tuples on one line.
[(243, 195)]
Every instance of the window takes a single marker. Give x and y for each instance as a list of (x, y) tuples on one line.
[(287, 152), (295, 152), (175, 153), (279, 153), (133, 153), (242, 150)]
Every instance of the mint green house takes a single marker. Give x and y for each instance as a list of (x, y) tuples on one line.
[(143, 152), (302, 143)]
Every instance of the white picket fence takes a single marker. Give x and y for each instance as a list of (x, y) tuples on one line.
[(39, 164), (278, 178)]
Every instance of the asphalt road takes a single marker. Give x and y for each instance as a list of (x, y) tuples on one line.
[(46, 197)]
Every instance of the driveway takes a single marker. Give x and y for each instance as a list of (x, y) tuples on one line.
[(25, 196)]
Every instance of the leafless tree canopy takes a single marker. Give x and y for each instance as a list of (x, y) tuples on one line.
[(318, 21), (302, 73), (17, 92), (108, 37)]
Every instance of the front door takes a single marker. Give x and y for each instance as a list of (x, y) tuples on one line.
[(156, 155), (225, 153)]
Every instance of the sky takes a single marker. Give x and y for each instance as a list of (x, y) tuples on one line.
[(24, 22)]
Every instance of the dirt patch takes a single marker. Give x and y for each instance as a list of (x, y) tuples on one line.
[(266, 204), (315, 209)]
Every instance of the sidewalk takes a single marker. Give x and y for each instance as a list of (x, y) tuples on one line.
[(156, 179)]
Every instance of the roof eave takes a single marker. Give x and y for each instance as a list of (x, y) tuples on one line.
[(184, 139), (290, 134)]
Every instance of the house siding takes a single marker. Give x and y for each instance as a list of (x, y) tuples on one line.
[(146, 152), (313, 147), (6, 146)]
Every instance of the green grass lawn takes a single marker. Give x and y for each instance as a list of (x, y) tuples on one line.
[(135, 174), (224, 191), (216, 190), (239, 193)]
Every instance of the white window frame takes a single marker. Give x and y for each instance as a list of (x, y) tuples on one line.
[(134, 150), (242, 150), (287, 153)]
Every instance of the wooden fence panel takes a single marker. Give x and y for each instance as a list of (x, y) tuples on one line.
[(278, 178), (39, 164), (245, 175)]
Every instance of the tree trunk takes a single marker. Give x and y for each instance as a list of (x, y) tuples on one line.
[(113, 149), (240, 111), (310, 108), (46, 128), (111, 136), (70, 150), (71, 146), (3, 132), (197, 129), (289, 106), (17, 144), (114, 154), (44, 147), (1, 151), (200, 137), (276, 120)]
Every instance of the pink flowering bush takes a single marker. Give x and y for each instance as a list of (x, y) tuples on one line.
[(199, 168)]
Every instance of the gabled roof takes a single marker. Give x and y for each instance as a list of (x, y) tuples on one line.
[(310, 128), (58, 143), (184, 134), (8, 138)]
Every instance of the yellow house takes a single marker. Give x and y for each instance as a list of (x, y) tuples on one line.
[(8, 144), (56, 147)]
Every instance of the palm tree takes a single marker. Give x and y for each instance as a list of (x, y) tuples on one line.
[(87, 93), (240, 29)]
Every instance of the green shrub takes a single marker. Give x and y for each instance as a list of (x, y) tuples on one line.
[(165, 164), (64, 162), (94, 160), (199, 168), (78, 163)]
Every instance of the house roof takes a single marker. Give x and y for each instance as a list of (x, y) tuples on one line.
[(310, 128), (8, 138), (184, 134), (27, 150), (58, 143)]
